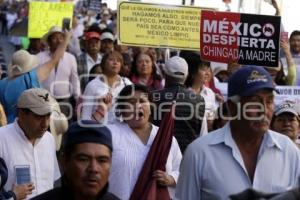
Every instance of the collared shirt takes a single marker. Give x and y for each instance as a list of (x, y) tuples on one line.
[(213, 168), (17, 150), (63, 81), (90, 61), (128, 158)]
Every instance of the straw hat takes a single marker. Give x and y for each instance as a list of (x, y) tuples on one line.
[(22, 62), (58, 126), (53, 29)]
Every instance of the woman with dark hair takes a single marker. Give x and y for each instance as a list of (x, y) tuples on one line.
[(100, 93), (132, 139), (143, 71), (198, 76)]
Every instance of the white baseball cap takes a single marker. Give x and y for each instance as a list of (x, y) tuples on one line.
[(176, 67)]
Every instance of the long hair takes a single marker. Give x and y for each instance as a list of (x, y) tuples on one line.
[(134, 71)]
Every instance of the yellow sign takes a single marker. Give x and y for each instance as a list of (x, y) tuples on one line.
[(44, 15), (142, 24)]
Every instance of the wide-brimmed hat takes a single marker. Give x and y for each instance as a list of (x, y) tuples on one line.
[(58, 126), (22, 62), (53, 29)]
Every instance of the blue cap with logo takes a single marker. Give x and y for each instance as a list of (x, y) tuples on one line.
[(249, 79)]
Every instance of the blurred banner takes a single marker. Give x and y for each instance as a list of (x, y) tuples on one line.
[(44, 15), (158, 25)]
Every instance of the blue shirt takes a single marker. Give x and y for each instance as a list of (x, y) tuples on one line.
[(11, 90), (212, 167)]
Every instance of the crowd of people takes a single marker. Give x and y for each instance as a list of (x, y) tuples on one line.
[(82, 116)]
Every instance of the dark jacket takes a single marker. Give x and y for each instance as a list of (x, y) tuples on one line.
[(4, 174), (189, 112), (65, 193)]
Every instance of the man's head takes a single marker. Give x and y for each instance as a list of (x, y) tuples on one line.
[(22, 62), (176, 70), (295, 41), (34, 109), (54, 37), (92, 42), (286, 119), (86, 158), (107, 42), (251, 97)]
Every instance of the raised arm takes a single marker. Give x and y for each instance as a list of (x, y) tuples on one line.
[(292, 71), (44, 71)]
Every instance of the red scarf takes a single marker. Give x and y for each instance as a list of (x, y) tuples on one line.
[(146, 187)]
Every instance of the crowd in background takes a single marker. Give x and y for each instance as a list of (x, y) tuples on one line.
[(89, 75)]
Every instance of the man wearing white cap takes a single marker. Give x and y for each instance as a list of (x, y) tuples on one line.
[(27, 147), (23, 74), (107, 41), (63, 82), (190, 107)]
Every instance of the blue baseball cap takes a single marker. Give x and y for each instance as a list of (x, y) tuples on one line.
[(87, 131), (249, 79)]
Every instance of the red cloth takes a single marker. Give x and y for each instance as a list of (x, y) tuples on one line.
[(146, 187)]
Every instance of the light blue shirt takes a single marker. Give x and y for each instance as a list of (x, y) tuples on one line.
[(11, 90), (212, 167)]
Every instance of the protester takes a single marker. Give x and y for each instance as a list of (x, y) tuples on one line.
[(23, 74), (90, 57), (190, 107), (35, 46), (278, 74), (63, 82), (86, 157), (286, 120), (107, 41), (295, 50), (26, 144), (132, 140), (143, 71), (104, 89), (243, 153), (197, 78)]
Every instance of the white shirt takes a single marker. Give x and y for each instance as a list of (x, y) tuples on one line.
[(63, 81), (90, 61), (213, 168), (129, 154), (209, 98), (16, 150), (96, 89)]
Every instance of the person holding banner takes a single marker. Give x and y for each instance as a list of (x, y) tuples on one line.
[(243, 153), (132, 140)]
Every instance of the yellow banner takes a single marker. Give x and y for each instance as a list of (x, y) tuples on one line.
[(44, 15), (142, 24)]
